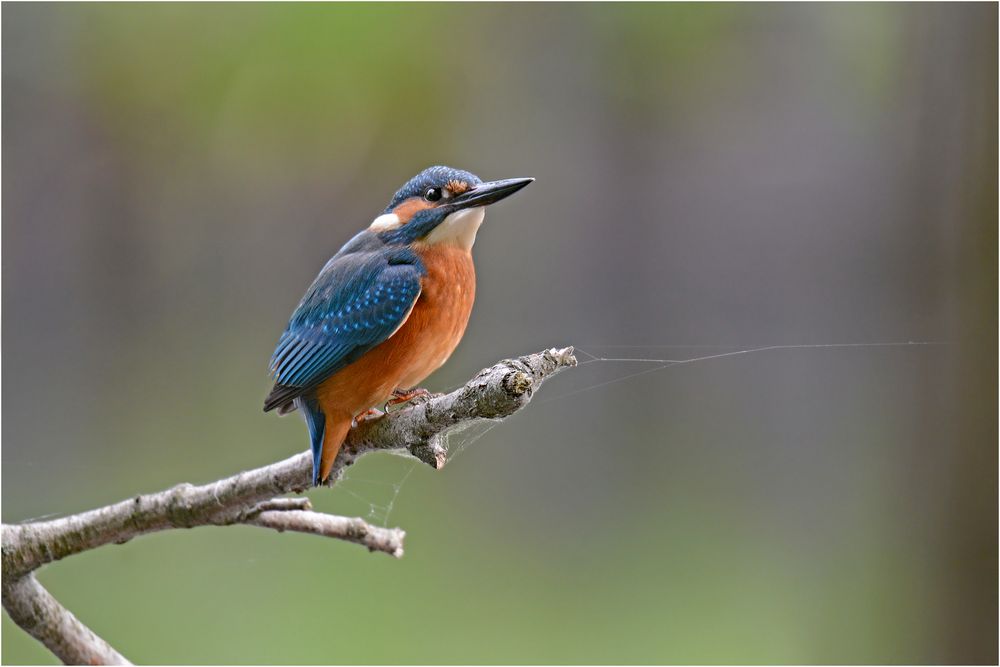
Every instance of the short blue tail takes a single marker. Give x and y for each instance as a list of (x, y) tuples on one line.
[(316, 421)]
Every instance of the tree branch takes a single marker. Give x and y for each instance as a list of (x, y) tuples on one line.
[(41, 616), (250, 498)]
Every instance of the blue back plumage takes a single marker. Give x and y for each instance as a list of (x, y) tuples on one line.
[(360, 298)]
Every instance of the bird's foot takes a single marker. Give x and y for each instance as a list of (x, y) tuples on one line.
[(371, 414), (405, 395)]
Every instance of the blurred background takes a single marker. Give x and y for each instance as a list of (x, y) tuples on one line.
[(716, 176)]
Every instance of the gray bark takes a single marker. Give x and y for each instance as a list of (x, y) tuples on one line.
[(252, 498)]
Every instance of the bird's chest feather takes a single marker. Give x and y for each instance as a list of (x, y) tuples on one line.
[(442, 311), (424, 341)]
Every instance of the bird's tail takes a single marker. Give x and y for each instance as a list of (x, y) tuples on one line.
[(337, 426), (316, 421), (326, 435)]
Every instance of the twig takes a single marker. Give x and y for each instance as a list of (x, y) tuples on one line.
[(250, 498), (389, 540)]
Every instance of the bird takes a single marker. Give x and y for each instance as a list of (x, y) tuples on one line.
[(386, 310)]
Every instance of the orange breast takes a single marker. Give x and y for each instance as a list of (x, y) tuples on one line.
[(424, 342)]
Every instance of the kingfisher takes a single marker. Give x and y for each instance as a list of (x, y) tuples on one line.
[(386, 311)]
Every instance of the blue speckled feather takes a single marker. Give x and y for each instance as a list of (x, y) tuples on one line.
[(360, 298)]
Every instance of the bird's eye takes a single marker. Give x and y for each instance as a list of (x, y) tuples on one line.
[(432, 194)]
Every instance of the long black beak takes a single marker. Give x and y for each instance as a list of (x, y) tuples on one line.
[(485, 194)]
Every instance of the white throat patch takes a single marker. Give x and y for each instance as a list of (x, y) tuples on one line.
[(459, 228)]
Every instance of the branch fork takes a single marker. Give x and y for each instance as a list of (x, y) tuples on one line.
[(253, 498)]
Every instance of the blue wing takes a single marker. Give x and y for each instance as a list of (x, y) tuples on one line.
[(359, 300)]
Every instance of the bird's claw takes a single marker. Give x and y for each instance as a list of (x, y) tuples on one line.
[(412, 392), (371, 414), (404, 395)]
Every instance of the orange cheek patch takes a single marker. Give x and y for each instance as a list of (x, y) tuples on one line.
[(409, 208), (457, 187)]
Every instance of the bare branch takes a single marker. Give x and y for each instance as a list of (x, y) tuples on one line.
[(494, 393), (251, 498), (41, 616), (295, 514), (389, 540)]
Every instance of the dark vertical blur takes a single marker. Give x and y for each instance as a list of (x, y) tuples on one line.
[(707, 175), (970, 609)]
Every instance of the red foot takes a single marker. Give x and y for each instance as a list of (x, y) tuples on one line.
[(371, 414), (404, 395)]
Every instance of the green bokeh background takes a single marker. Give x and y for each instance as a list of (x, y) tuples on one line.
[(708, 175)]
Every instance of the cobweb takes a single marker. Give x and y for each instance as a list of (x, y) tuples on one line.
[(377, 497), (381, 496)]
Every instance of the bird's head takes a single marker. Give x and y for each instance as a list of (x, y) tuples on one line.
[(441, 205)]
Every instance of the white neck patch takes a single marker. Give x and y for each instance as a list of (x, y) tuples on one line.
[(459, 228), (385, 223)]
